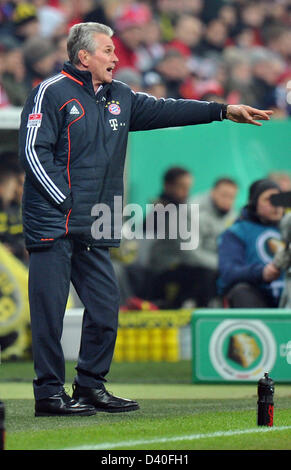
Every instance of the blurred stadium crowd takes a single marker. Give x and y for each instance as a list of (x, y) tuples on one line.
[(232, 51), (225, 50)]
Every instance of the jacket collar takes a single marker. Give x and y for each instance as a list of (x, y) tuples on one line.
[(83, 78)]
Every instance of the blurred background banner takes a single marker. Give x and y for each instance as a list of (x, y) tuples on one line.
[(246, 153), (15, 335), (14, 309), (159, 336), (239, 345)]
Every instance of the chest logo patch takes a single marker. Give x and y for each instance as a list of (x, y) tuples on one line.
[(34, 120), (114, 108), (74, 110)]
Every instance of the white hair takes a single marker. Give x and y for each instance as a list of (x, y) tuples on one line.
[(81, 36)]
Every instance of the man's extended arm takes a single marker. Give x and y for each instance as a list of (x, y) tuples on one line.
[(148, 113), (151, 113)]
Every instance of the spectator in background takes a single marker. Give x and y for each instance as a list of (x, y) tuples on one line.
[(283, 95), (25, 21), (16, 237), (39, 59), (196, 88), (4, 100), (216, 213), (252, 16), (277, 39), (6, 12), (131, 77), (129, 35), (13, 77), (239, 85), (191, 7), (247, 276), (210, 10), (277, 12), (172, 281), (74, 11), (152, 49), (239, 78), (51, 19), (167, 13), (174, 71), (243, 38), (201, 30), (8, 185), (266, 69), (61, 53), (188, 34), (169, 10), (214, 41), (154, 85), (189, 275), (11, 185), (283, 179), (100, 12), (228, 15)]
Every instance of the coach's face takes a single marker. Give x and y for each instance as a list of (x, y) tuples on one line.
[(102, 61)]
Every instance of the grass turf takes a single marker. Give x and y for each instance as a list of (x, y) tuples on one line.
[(172, 416), (123, 372)]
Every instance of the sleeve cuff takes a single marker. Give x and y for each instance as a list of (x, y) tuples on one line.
[(216, 111)]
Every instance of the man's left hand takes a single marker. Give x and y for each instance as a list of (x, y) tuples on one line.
[(246, 114)]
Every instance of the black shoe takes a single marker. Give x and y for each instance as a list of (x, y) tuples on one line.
[(103, 400), (61, 404)]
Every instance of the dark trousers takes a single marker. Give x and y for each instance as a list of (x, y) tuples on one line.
[(244, 295), (92, 275)]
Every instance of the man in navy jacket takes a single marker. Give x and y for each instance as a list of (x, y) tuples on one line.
[(73, 137)]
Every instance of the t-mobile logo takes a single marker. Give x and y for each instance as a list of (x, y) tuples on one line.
[(114, 124)]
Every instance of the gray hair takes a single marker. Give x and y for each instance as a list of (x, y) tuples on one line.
[(81, 37)]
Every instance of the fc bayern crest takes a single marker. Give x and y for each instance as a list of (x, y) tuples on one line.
[(114, 109)]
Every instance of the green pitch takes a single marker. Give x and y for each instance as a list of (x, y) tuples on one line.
[(174, 413)]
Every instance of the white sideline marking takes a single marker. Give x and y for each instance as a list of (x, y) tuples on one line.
[(189, 437)]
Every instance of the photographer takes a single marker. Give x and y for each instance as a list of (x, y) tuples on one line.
[(248, 274), (282, 259)]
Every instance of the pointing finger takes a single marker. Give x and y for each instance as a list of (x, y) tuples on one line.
[(260, 114), (247, 117), (250, 119)]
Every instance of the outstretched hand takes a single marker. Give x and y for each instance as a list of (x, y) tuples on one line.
[(246, 114)]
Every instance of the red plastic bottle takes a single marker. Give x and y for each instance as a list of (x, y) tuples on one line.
[(265, 411)]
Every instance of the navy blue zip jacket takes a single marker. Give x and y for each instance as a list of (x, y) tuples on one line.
[(73, 145), (244, 249)]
